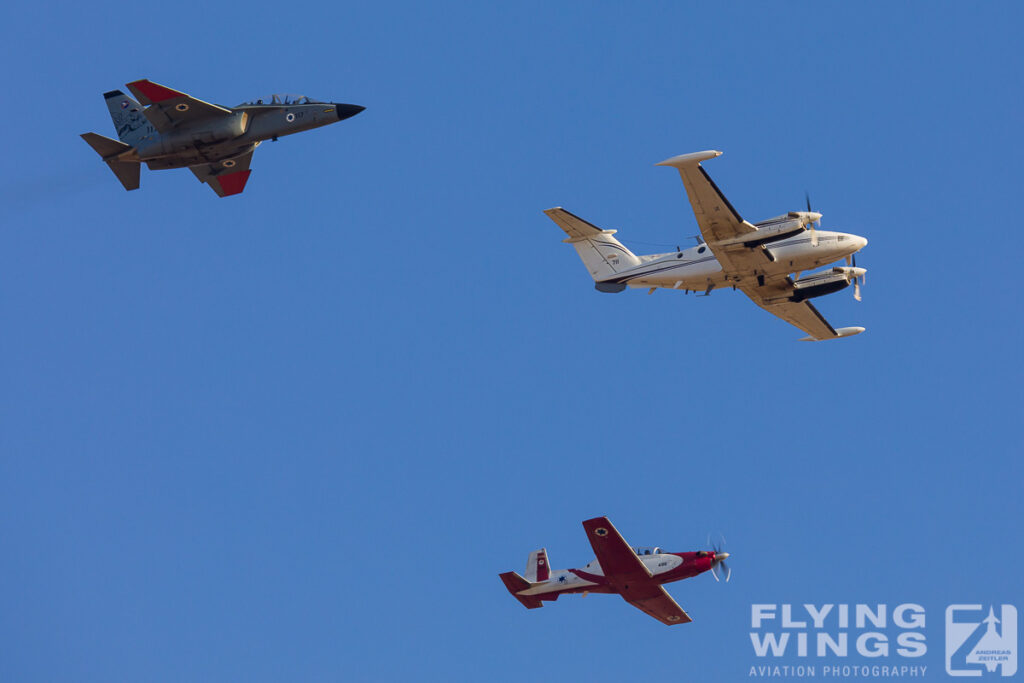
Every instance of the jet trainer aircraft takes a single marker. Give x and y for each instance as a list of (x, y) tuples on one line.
[(165, 128), (755, 258), (637, 574)]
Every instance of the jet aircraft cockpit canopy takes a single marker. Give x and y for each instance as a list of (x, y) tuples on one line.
[(280, 99), (644, 550)]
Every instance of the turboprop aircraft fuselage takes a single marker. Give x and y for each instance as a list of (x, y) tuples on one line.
[(664, 568), (766, 261), (636, 574), (697, 268)]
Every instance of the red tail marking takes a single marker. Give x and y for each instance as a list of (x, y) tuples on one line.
[(543, 570)]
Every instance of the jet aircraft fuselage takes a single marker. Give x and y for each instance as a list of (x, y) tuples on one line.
[(242, 131), (165, 128)]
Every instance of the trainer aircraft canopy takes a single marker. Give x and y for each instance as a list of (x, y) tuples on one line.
[(281, 99)]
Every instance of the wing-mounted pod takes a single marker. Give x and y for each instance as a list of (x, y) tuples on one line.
[(827, 282)]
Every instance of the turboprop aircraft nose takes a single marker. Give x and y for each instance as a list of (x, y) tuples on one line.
[(345, 111)]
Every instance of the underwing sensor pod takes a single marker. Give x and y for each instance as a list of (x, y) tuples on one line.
[(820, 284), (766, 260)]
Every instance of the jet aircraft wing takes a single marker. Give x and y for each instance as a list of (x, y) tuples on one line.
[(774, 298), (224, 179), (717, 218), (628, 575), (167, 108)]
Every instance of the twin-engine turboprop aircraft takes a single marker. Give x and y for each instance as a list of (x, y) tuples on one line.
[(754, 258), (165, 128), (637, 574)]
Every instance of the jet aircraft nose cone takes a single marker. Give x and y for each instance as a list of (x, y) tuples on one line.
[(345, 111)]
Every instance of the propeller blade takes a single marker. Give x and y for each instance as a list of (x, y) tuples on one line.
[(728, 572), (853, 260), (807, 196), (814, 236), (714, 572), (856, 289), (849, 260)]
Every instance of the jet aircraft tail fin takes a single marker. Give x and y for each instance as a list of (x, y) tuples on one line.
[(537, 567), (602, 254), (515, 583), (126, 171), (127, 115)]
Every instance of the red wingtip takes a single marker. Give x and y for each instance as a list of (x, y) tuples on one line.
[(233, 183), (154, 91)]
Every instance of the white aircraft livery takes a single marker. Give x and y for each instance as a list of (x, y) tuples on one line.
[(765, 260)]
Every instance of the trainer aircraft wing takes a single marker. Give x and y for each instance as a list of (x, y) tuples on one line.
[(617, 559), (774, 297), (167, 108), (628, 575), (719, 221), (225, 177), (654, 600)]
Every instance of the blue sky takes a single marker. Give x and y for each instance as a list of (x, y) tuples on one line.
[(296, 434)]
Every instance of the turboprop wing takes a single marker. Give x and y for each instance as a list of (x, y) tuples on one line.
[(629, 576), (721, 225), (778, 299)]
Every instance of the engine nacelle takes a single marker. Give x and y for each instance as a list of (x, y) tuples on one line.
[(765, 234), (219, 129)]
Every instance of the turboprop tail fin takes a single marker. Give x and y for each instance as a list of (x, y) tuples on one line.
[(603, 255), (537, 567)]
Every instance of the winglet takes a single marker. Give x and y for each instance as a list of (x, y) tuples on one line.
[(688, 159)]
